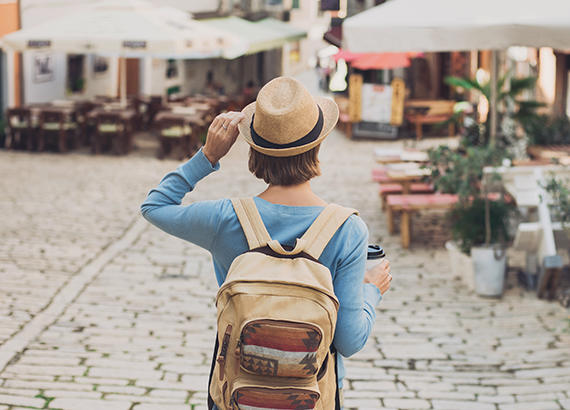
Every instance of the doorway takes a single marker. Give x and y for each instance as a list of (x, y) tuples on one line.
[(132, 74), (75, 73)]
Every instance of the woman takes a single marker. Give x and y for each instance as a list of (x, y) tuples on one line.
[(284, 127)]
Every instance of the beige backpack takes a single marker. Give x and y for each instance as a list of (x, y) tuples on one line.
[(276, 320)]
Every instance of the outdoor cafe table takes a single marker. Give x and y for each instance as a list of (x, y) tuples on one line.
[(406, 177), (37, 108), (190, 118), (388, 156), (126, 114)]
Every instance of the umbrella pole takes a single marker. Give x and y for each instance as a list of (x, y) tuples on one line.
[(123, 82), (11, 83), (493, 102)]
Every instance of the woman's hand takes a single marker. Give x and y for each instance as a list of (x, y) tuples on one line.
[(380, 276), (222, 134)]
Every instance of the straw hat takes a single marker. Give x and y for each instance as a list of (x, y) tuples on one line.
[(286, 119)]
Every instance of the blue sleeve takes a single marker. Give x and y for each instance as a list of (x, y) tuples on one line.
[(196, 223), (356, 314)]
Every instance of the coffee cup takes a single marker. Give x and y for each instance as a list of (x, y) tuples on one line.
[(375, 255)]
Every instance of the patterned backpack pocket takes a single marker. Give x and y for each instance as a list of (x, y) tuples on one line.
[(259, 398), (279, 348)]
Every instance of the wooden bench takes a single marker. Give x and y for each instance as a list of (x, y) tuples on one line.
[(420, 112), (406, 204), (396, 189), (551, 153)]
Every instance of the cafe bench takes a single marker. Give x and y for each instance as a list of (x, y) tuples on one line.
[(406, 204), (396, 189)]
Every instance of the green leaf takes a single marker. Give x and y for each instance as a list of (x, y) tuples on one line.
[(519, 85), (530, 104), (466, 83), (501, 82)]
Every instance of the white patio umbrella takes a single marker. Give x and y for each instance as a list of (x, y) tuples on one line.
[(450, 25), (127, 28)]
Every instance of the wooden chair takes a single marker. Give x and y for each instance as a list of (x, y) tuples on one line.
[(141, 108), (111, 133), (174, 132), (83, 121), (20, 128), (420, 112), (154, 106), (62, 126)]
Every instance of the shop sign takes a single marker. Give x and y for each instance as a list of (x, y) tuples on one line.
[(398, 94), (134, 44), (355, 97), (39, 43)]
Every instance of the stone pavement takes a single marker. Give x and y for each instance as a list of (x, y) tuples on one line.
[(100, 310)]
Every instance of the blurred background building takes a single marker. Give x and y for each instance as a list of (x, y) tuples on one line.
[(295, 28)]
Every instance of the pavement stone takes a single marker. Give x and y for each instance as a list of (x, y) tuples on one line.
[(98, 309)]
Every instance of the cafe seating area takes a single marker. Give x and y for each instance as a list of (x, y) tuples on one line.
[(107, 125)]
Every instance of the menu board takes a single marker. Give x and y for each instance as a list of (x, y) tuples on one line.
[(376, 103)]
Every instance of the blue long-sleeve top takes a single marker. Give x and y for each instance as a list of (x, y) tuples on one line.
[(214, 226)]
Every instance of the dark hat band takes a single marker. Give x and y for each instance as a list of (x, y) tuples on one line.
[(307, 139)]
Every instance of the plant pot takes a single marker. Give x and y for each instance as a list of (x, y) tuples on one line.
[(461, 265), (489, 266)]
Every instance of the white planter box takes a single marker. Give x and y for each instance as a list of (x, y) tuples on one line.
[(461, 264)]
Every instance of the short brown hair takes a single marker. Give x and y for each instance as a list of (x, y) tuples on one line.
[(285, 170)]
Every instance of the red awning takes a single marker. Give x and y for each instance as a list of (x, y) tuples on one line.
[(346, 55), (375, 61), (381, 61)]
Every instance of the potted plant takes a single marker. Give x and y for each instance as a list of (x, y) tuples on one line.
[(559, 192), (480, 219), (522, 111)]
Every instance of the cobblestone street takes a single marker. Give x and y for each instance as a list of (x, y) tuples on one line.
[(100, 310)]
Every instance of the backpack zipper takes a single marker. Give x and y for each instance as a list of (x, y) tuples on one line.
[(224, 350)]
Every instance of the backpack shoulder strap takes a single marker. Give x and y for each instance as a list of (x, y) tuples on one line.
[(323, 229), (251, 223)]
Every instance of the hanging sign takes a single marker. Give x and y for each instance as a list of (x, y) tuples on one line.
[(39, 43), (134, 44), (398, 94), (355, 97)]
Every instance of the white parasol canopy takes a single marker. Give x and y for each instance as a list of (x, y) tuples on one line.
[(451, 25), (127, 28)]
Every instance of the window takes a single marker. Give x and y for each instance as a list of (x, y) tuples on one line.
[(171, 69)]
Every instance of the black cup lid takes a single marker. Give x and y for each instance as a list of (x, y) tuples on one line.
[(375, 252)]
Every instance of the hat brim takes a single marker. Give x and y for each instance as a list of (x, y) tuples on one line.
[(330, 118)]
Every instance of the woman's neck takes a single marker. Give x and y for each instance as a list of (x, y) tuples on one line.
[(293, 195)]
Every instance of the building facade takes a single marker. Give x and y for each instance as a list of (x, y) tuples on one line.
[(10, 88), (85, 76)]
